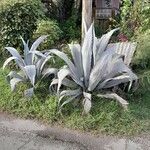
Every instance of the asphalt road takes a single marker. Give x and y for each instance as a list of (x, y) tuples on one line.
[(17, 134), (20, 134)]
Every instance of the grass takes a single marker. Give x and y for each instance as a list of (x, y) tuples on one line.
[(106, 115)]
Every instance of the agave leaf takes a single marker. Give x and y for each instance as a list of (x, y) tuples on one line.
[(35, 53), (62, 75), (26, 48), (15, 53), (118, 67), (44, 62), (53, 85), (66, 82), (114, 81), (77, 57), (64, 57), (54, 82), (38, 42), (47, 72), (73, 70), (29, 92), (13, 74), (69, 83), (28, 58), (30, 71), (68, 93), (38, 53), (40, 65), (87, 102), (87, 54), (95, 41), (98, 70), (68, 100), (103, 43), (9, 60), (123, 102), (14, 82)]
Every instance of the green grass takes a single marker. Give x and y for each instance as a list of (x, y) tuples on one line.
[(106, 115)]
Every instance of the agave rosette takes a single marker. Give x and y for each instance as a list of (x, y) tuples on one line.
[(31, 65), (95, 67)]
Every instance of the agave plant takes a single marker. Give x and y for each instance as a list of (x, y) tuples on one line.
[(95, 68), (31, 65)]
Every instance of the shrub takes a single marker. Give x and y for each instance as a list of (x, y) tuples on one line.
[(135, 17), (142, 54), (71, 29), (18, 18), (50, 28)]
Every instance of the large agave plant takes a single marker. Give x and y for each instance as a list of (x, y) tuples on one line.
[(95, 67), (31, 65)]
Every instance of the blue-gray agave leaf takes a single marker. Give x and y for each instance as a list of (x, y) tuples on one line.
[(77, 58), (26, 51), (47, 72), (87, 54), (38, 42), (87, 104), (73, 69), (103, 43), (14, 53), (99, 70), (66, 82), (72, 96), (30, 71), (14, 82), (61, 75), (10, 59), (14, 74), (69, 93)]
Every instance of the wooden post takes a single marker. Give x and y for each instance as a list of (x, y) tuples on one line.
[(86, 15)]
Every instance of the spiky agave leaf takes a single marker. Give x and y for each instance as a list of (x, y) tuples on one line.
[(30, 72), (14, 82), (13, 74), (26, 51), (10, 59), (87, 48), (71, 66), (38, 42), (16, 56), (69, 93), (87, 104), (77, 57), (103, 43)]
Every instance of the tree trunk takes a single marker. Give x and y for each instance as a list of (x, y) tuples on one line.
[(86, 15)]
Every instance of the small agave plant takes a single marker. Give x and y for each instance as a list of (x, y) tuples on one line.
[(31, 65), (95, 67)]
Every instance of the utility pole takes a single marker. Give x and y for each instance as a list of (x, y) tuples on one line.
[(86, 15)]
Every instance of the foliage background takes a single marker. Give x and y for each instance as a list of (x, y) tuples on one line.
[(18, 18)]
